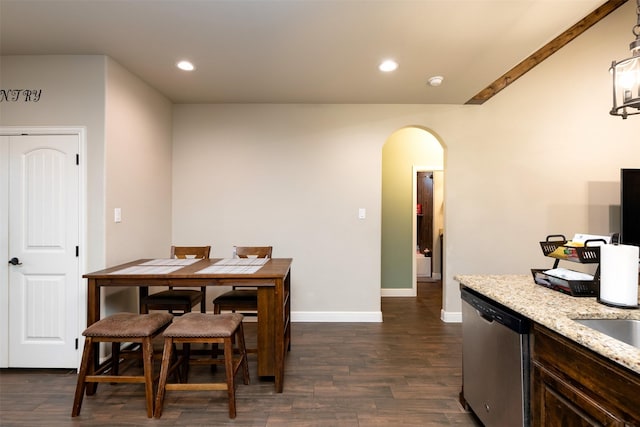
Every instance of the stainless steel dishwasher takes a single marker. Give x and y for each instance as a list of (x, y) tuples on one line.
[(495, 361)]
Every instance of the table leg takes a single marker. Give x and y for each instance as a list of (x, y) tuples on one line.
[(143, 292), (279, 338), (266, 331), (93, 302), (93, 315)]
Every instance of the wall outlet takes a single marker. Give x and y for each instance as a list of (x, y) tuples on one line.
[(117, 215)]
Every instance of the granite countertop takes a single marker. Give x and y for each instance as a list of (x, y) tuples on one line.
[(556, 310)]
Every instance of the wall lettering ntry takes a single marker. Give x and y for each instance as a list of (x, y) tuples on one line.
[(20, 95)]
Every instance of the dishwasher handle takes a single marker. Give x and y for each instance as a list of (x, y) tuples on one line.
[(485, 317), (492, 311)]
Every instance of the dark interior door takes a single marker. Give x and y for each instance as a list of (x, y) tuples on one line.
[(425, 219)]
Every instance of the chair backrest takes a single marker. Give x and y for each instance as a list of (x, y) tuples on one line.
[(254, 251), (190, 251)]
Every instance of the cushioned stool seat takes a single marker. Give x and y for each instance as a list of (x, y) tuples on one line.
[(175, 299), (118, 328), (210, 329), (237, 299)]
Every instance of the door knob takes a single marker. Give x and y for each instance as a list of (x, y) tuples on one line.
[(15, 261)]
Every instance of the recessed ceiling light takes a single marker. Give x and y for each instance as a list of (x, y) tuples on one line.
[(186, 66), (388, 65), (435, 81)]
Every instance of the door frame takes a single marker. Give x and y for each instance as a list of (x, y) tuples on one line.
[(414, 190), (80, 132)]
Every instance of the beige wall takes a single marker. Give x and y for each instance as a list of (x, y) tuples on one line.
[(128, 129), (138, 168), (137, 173), (539, 158), (293, 176)]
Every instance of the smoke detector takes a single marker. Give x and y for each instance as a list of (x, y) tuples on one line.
[(435, 81)]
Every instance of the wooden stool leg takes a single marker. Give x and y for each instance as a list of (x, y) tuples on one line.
[(115, 358), (94, 359), (164, 373), (228, 364), (147, 355), (186, 354), (243, 353), (81, 385), (174, 365), (215, 352)]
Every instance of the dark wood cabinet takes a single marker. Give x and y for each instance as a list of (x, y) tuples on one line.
[(573, 386)]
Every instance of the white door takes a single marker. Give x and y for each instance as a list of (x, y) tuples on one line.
[(43, 235)]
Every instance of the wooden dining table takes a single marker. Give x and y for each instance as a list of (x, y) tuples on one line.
[(272, 279)]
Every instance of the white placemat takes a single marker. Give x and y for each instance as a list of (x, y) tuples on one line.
[(230, 269), (242, 261), (148, 269), (172, 261)]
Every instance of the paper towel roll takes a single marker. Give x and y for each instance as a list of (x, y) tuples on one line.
[(619, 275)]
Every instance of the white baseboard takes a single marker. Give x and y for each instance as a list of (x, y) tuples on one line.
[(451, 316), (359, 316), (336, 316), (397, 292)]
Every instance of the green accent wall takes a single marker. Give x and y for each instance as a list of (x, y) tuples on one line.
[(405, 148)]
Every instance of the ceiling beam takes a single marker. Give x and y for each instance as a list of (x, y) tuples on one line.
[(545, 51)]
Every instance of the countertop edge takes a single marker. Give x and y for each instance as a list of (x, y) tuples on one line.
[(556, 310)]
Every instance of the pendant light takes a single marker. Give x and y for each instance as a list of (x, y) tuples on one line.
[(626, 78)]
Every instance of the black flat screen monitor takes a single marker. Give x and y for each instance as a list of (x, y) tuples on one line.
[(630, 206)]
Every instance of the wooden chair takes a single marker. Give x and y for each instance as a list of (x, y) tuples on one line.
[(116, 329), (244, 300), (203, 328), (179, 299)]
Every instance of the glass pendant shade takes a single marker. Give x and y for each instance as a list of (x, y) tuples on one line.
[(626, 87), (626, 79)]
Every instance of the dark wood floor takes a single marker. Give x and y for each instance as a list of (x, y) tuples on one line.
[(405, 371)]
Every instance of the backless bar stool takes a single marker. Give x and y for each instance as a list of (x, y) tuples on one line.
[(118, 328), (208, 329)]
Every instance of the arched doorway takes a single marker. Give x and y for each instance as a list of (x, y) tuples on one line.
[(407, 151)]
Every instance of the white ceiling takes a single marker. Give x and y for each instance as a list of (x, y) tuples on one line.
[(296, 51)]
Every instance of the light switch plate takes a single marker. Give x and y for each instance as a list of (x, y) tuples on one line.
[(117, 215), (362, 213)]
